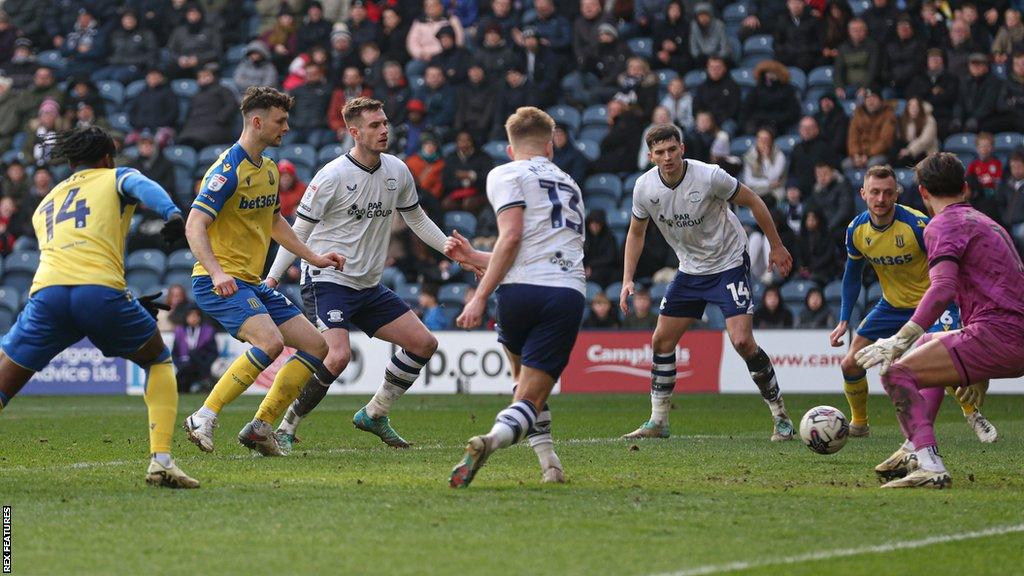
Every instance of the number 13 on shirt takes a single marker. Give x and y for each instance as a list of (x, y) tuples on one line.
[(557, 218)]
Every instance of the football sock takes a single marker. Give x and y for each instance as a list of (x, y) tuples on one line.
[(933, 399), (164, 458), (512, 423), (312, 394), (763, 374), (663, 382), (239, 376), (928, 458), (967, 409), (912, 409), (287, 385), (400, 374), (540, 440), (161, 395), (908, 446), (856, 390)]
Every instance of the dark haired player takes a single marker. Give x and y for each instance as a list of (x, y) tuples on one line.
[(79, 289)]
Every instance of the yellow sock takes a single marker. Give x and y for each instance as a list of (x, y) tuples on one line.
[(162, 404), (857, 395), (287, 385), (237, 379), (968, 409)]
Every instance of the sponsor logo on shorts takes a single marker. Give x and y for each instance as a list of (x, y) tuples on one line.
[(372, 210), (217, 181)]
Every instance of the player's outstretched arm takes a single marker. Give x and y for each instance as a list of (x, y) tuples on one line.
[(283, 234), (779, 256), (510, 237), (199, 242), (302, 229), (424, 228), (634, 247), (851, 289)]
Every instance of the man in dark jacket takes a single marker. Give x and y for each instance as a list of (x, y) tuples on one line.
[(541, 68), (502, 18), (85, 47), (1015, 90), (857, 64), (394, 92), (439, 98), (833, 196), (938, 87), (762, 15), (516, 91), (193, 44), (881, 19), (29, 18), (132, 51), (903, 56), (982, 105), (43, 88), (154, 109), (811, 151), (308, 117), (453, 60), (798, 36), (475, 105), (314, 30), (153, 165), (211, 113), (621, 146), (584, 31), (719, 94), (833, 122), (567, 156), (773, 102), (496, 54), (465, 176)]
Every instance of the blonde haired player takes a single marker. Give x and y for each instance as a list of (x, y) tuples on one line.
[(536, 270)]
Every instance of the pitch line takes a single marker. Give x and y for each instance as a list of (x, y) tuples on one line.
[(846, 552)]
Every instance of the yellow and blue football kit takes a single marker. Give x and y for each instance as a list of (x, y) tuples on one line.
[(241, 197)]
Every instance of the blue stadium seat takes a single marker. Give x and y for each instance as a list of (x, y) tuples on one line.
[(299, 154), (746, 216), (120, 122), (131, 152), (658, 291), (666, 75), (859, 6), (744, 77), (235, 53), (51, 59), (594, 132), (740, 145), (208, 156), (590, 149), (496, 149), (183, 106), (959, 143), (786, 142), (714, 318), (643, 47), (629, 182), (759, 44), (12, 155), (185, 87), (821, 77), (328, 153), (797, 78), (850, 106), (593, 289), (810, 107), (182, 278), (834, 292), (596, 114), (619, 219), (620, 238), (967, 157), (25, 243), (452, 293), (181, 260), (613, 291), (734, 14), (272, 152), (19, 268), (464, 222), (184, 181), (905, 178), (603, 184), (566, 115), (181, 156), (410, 293), (10, 299), (134, 89), (112, 92), (450, 313), (392, 278), (600, 201), (145, 269), (1007, 142), (796, 290), (694, 78), (6, 320)]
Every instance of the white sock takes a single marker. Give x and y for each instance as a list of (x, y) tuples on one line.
[(381, 402), (908, 446), (164, 458), (929, 459), (661, 404), (512, 424), (290, 422), (205, 413), (778, 407), (501, 435), (544, 447)]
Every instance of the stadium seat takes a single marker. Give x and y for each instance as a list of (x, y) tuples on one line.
[(235, 53), (19, 268), (786, 142), (714, 318), (208, 156), (566, 115), (181, 260), (600, 201), (906, 179), (834, 292), (874, 292), (25, 243), (734, 14), (112, 92), (797, 78), (497, 150), (299, 154), (959, 143), (410, 293), (596, 114), (328, 153), (392, 278), (740, 145), (462, 221), (629, 182), (134, 89), (453, 293), (10, 299), (810, 107), (451, 312), (694, 78), (744, 77), (967, 157), (759, 44), (620, 238), (272, 152), (145, 269), (746, 216), (593, 289), (603, 184), (51, 59), (665, 75), (181, 156), (795, 291), (658, 291), (855, 177), (6, 320), (821, 77), (619, 218), (1007, 142), (12, 155), (850, 106), (185, 87), (182, 278), (120, 122), (590, 149), (594, 132), (612, 291), (643, 47), (859, 6)]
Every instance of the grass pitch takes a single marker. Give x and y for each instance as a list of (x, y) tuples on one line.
[(716, 498)]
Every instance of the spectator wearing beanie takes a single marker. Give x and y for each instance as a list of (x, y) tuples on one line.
[(453, 60), (193, 44), (212, 113), (707, 35)]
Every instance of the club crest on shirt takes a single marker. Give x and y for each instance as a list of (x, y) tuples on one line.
[(694, 196), (391, 184), (899, 241), (270, 175)]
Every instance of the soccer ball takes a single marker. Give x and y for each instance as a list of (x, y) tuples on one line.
[(824, 429)]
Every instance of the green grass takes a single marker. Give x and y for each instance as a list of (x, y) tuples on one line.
[(717, 492)]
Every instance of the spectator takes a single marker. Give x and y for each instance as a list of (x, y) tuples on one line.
[(679, 103), (474, 111), (542, 68), (600, 77), (352, 86), (719, 94), (939, 88), (281, 39), (600, 250), (8, 34), (982, 105), (792, 208), (764, 168), (833, 122), (28, 17), (621, 145), (421, 42), (602, 314), (42, 133), (881, 20), (429, 310), (42, 88), (42, 184), (638, 85), (9, 224), (132, 51), (773, 102), (584, 31), (427, 166), (968, 14), (1010, 38), (496, 54), (647, 13), (9, 125), (918, 133), (291, 188), (706, 142), (903, 56), (466, 11), (818, 254), (761, 15), (193, 44), (567, 156), (772, 313), (660, 116), (836, 22), (815, 314), (798, 37), (872, 133), (256, 69), (195, 349), (707, 36), (297, 69), (85, 46), (22, 67), (933, 24), (959, 46), (1015, 90), (515, 92), (308, 118), (1011, 198), (154, 166), (85, 116), (439, 98), (671, 40), (177, 301), (985, 172), (832, 197), (80, 90), (341, 56), (453, 60), (407, 136), (641, 317), (211, 114), (810, 151), (154, 109), (857, 62), (465, 176), (394, 92), (362, 29), (393, 32), (314, 30), (15, 182)]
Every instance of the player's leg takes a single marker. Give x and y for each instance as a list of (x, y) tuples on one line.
[(12, 379), (663, 374), (415, 347), (339, 353), (855, 387), (540, 435), (983, 429), (741, 334)]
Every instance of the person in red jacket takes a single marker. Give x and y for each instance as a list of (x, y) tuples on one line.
[(986, 169), (291, 188)]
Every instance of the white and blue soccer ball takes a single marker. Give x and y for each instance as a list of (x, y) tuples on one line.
[(824, 429)]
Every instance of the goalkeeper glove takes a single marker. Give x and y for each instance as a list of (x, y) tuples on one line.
[(888, 350), (173, 230), (973, 394), (151, 305)]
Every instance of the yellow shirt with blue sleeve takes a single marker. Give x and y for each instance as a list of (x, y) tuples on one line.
[(896, 252), (82, 223), (240, 194)]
